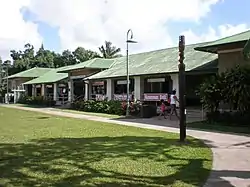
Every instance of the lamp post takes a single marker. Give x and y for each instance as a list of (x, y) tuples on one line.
[(129, 40), (182, 88), (7, 74)]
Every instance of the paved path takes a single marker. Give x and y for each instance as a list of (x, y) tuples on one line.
[(231, 162)]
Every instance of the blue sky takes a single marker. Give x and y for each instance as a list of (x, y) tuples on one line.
[(88, 23), (224, 12)]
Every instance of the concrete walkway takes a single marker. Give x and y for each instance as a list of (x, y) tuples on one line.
[(231, 162)]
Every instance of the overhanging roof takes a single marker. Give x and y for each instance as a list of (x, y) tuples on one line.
[(156, 62), (96, 63), (51, 76), (30, 73), (213, 46)]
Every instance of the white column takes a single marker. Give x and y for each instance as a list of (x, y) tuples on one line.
[(55, 95), (15, 97), (175, 79), (33, 90), (139, 88), (110, 89), (86, 94), (43, 90), (71, 89)]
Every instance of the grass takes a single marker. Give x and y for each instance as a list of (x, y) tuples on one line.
[(219, 127), (43, 150), (110, 116)]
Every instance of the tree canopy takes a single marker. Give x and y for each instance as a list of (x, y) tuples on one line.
[(109, 51), (29, 58)]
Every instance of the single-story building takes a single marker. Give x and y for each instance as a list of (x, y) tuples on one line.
[(16, 81), (152, 74)]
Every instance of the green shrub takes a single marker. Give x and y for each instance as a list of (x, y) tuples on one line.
[(231, 88), (38, 100), (109, 107), (229, 118)]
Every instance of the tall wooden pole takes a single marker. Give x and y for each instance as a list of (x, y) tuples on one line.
[(182, 88)]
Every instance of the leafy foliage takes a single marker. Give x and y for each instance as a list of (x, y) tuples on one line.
[(37, 100), (210, 92), (237, 88), (3, 81), (109, 107), (28, 58), (232, 88), (109, 51)]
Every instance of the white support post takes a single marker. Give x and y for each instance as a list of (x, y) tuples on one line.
[(55, 95), (139, 88), (33, 90), (175, 79), (110, 89), (86, 94), (43, 90), (71, 90)]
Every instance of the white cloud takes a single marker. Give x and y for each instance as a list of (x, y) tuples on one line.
[(214, 34), (90, 22), (15, 32)]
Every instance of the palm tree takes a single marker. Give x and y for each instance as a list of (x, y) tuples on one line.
[(109, 51)]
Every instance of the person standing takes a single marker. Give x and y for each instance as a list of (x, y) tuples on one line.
[(162, 110), (173, 100)]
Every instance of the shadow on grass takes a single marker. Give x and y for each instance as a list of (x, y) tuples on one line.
[(32, 106), (105, 161), (100, 161)]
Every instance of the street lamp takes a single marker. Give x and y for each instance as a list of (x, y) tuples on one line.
[(182, 87), (129, 40)]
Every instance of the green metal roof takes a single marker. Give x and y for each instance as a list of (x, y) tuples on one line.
[(156, 62), (96, 63), (30, 73), (49, 77), (240, 37)]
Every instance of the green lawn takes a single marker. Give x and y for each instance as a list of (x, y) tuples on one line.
[(43, 150), (219, 127), (110, 116)]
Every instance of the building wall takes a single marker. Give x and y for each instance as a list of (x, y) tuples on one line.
[(230, 59), (14, 83)]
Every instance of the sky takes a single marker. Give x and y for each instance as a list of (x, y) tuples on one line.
[(156, 24)]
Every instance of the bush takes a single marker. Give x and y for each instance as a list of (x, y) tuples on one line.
[(109, 107), (231, 88), (229, 118), (38, 100)]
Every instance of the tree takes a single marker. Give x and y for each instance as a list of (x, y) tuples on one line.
[(232, 87), (22, 60), (82, 54), (43, 58), (109, 51), (4, 68), (67, 58)]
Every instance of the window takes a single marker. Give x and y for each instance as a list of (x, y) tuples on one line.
[(121, 86), (156, 85)]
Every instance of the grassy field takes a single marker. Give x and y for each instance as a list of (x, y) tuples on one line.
[(43, 150), (110, 116)]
